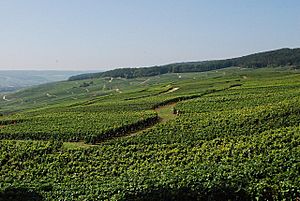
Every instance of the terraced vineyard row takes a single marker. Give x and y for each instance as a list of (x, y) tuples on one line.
[(75, 126)]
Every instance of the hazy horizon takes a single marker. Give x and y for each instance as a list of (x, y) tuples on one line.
[(96, 35), (43, 70)]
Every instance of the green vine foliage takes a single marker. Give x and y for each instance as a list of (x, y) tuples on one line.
[(226, 143)]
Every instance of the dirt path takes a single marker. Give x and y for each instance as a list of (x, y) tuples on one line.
[(4, 97), (166, 112), (144, 82), (50, 95), (172, 90)]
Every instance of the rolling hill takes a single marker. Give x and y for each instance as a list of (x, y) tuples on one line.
[(281, 57), (224, 134)]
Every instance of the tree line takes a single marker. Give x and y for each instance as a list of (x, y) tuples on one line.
[(276, 58)]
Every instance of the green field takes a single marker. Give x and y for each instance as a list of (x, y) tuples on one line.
[(227, 134)]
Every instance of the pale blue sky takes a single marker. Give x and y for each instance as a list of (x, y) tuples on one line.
[(105, 34)]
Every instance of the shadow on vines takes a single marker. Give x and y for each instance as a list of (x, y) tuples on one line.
[(186, 194), (20, 194)]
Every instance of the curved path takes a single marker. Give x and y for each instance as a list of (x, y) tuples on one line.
[(165, 113), (4, 98)]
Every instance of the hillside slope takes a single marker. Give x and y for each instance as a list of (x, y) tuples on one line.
[(74, 91), (235, 135), (281, 57)]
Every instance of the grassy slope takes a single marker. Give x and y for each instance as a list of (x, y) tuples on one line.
[(70, 92), (242, 143)]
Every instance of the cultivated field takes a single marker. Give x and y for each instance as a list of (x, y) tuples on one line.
[(229, 134)]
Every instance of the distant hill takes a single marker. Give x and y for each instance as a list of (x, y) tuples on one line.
[(275, 58), (16, 79)]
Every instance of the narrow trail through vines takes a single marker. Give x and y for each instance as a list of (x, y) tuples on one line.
[(165, 113)]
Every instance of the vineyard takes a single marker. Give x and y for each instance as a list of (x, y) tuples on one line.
[(231, 134)]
